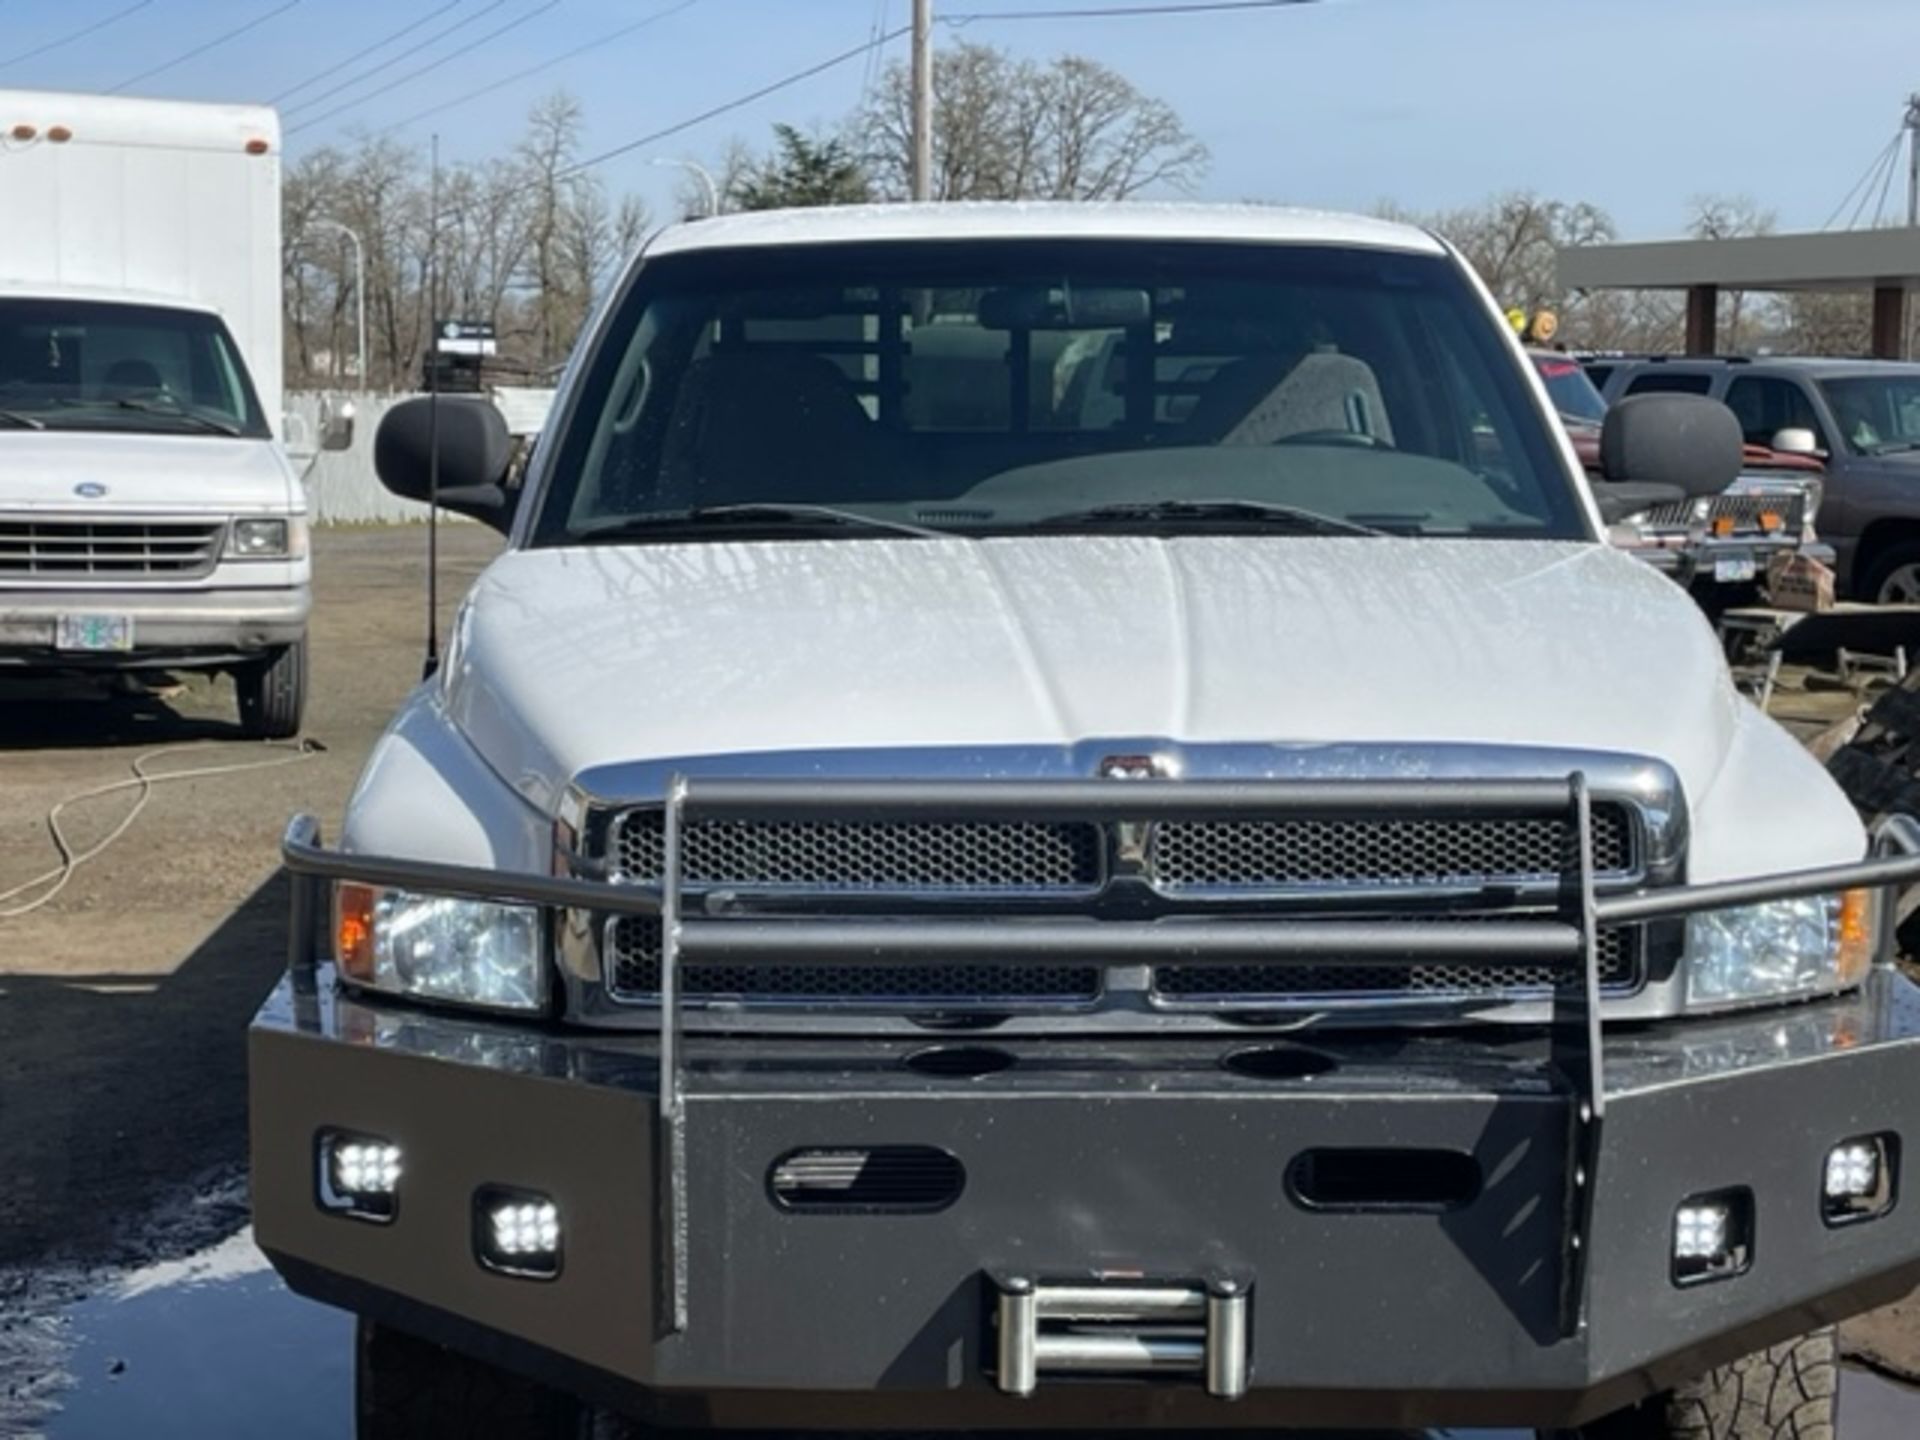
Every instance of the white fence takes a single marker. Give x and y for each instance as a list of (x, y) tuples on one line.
[(341, 486)]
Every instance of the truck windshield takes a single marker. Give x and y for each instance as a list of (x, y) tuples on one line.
[(1572, 393), (98, 365), (1878, 414), (1006, 386)]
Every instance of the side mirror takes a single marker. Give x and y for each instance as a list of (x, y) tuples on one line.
[(1796, 440), (1686, 441), (474, 449), (336, 427)]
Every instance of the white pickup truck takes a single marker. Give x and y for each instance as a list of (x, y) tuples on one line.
[(149, 517), (1057, 817)]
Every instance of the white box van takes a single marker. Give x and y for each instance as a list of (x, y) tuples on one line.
[(149, 517)]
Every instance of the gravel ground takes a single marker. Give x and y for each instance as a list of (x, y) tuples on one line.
[(124, 1002)]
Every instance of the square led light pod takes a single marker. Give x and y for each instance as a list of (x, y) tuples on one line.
[(1712, 1237), (1857, 1182)]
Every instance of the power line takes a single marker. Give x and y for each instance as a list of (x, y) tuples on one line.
[(739, 102), (1866, 179), (80, 34), (1117, 12), (393, 60), (202, 49), (532, 70), (429, 67), (362, 54)]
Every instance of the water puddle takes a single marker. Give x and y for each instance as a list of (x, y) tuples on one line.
[(215, 1345), (210, 1345)]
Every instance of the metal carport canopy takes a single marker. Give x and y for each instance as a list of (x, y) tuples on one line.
[(1887, 261)]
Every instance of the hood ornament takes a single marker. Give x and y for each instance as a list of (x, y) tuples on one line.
[(90, 490)]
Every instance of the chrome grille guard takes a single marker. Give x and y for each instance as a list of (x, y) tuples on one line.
[(1567, 940)]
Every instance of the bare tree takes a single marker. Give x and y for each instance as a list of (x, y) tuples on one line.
[(1730, 217), (1010, 129)]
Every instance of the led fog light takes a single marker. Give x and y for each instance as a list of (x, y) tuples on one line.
[(517, 1232), (359, 1175), (1712, 1237), (1858, 1183)]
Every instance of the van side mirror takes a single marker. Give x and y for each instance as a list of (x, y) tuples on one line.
[(336, 427), (1796, 440), (1687, 441), (474, 448)]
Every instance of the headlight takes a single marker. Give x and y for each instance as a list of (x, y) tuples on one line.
[(1780, 950), (433, 947), (275, 539)]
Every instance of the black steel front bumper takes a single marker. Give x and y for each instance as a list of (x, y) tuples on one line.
[(1088, 1161)]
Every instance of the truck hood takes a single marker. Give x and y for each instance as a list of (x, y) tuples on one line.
[(564, 660), (146, 473)]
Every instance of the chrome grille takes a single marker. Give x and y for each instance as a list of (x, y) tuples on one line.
[(1619, 965), (88, 549), (1217, 854), (1743, 509), (633, 972), (919, 856)]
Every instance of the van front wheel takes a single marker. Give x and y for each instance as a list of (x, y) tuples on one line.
[(273, 693)]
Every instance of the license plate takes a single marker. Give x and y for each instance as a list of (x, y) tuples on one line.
[(93, 632), (1734, 567)]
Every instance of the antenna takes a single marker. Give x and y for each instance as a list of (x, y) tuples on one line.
[(432, 664)]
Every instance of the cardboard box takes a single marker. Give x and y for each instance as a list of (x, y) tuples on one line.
[(1799, 582)]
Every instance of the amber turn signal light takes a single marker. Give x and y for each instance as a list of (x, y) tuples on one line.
[(1856, 936), (353, 930)]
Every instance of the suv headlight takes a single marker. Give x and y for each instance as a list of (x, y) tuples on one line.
[(274, 538), (1780, 950), (434, 947)]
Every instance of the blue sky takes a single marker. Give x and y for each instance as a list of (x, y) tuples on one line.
[(1634, 104)]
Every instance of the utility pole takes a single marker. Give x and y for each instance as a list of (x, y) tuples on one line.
[(1913, 161), (923, 99)]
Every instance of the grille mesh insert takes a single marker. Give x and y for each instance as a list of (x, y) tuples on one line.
[(1259, 853), (855, 856), (1619, 970), (633, 966)]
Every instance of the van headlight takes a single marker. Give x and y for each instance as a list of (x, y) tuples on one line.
[(266, 538), (436, 947), (1781, 950)]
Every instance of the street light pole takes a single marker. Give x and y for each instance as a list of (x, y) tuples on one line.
[(359, 292), (695, 168), (923, 99), (1913, 160)]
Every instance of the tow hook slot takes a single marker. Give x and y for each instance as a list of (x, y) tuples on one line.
[(1136, 1328)]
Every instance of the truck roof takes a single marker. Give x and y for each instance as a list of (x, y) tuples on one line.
[(1022, 220), (103, 294), (124, 120)]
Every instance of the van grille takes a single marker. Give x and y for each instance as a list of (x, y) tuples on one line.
[(87, 549)]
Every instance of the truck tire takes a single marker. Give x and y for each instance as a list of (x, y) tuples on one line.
[(273, 693), (410, 1389), (1894, 576), (1788, 1392)]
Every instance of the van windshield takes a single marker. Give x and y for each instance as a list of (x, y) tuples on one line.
[(99, 365), (1083, 385)]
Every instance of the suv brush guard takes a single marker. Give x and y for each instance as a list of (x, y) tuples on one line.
[(1131, 1326)]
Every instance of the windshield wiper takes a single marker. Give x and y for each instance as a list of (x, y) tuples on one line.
[(755, 514), (1310, 522), (24, 422), (161, 408)]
